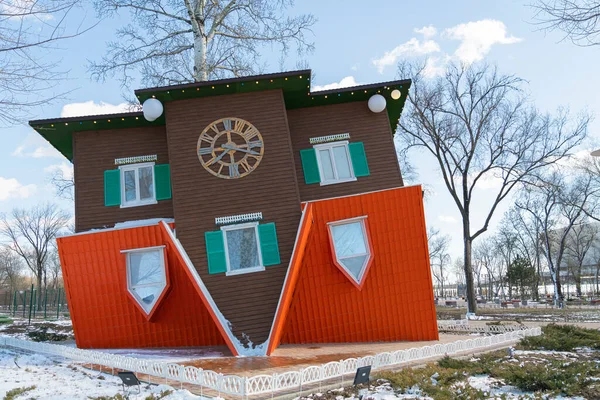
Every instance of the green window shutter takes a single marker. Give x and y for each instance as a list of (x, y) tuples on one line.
[(310, 166), (215, 251), (162, 178), (359, 159), (268, 244), (112, 187)]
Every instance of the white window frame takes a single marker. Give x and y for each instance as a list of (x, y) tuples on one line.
[(137, 202), (329, 146), (235, 227), (131, 287), (363, 224)]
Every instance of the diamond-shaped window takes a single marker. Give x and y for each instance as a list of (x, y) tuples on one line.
[(146, 277), (351, 248)]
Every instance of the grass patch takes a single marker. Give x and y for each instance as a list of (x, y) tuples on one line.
[(14, 393), (556, 377), (42, 335), (562, 338), (162, 394), (5, 320), (117, 396)]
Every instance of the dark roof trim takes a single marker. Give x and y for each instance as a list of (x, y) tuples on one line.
[(362, 87), (241, 79), (85, 118)]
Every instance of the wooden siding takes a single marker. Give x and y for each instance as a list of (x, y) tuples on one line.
[(104, 314), (363, 126), (248, 301), (95, 152), (396, 301)]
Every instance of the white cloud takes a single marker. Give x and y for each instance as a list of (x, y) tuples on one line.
[(36, 147), (436, 66), (65, 168), (448, 219), (427, 31), (92, 108), (30, 9), (478, 37), (12, 188), (414, 47), (345, 82)]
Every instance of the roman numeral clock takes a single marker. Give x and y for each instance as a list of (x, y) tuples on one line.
[(230, 148)]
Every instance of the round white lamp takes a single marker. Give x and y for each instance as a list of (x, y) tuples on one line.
[(596, 153), (152, 109), (377, 103), (395, 94)]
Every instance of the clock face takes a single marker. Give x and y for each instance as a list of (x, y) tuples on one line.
[(230, 148)]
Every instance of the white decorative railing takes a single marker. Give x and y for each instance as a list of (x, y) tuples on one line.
[(137, 159), (262, 384), (329, 138), (484, 329), (232, 219), (446, 322)]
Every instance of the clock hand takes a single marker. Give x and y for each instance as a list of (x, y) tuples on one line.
[(220, 156), (230, 147)]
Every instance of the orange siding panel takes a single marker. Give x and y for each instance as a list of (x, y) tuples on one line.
[(396, 301), (105, 316)]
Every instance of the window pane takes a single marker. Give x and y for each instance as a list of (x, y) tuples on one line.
[(354, 265), (348, 239), (327, 167), (146, 268), (342, 165), (146, 185), (242, 248), (130, 185), (148, 294)]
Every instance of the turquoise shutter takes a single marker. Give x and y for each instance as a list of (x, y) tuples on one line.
[(269, 247), (112, 187), (162, 179), (310, 166), (215, 252), (359, 159)]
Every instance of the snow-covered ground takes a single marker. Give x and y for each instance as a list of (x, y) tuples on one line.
[(59, 379)]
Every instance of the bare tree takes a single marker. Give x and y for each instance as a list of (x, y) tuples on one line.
[(526, 234), (578, 19), (481, 131), (63, 184), (439, 257), (11, 269), (180, 41), (485, 254), (30, 234), (28, 68), (559, 204), (577, 250)]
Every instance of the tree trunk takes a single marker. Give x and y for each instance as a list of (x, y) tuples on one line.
[(200, 70), (470, 289)]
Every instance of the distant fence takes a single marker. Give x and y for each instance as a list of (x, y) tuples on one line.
[(234, 385), (462, 326), (34, 303)]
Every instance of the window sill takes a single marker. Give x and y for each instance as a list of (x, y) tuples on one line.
[(244, 271), (146, 203), (336, 182)]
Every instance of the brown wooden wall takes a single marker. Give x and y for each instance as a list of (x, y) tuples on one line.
[(95, 152), (363, 126), (248, 301)]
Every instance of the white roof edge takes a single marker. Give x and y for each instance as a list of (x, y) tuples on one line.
[(123, 225), (224, 322), (287, 274)]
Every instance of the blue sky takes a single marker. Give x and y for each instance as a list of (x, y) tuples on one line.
[(355, 42)]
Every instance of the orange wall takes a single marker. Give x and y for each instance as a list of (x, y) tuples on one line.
[(103, 314), (396, 301)]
